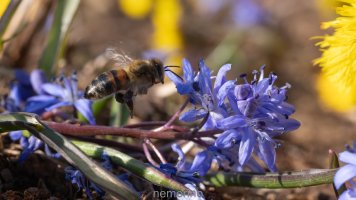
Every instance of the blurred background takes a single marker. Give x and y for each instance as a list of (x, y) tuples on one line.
[(58, 36)]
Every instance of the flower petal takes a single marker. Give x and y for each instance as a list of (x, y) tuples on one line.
[(344, 174), (20, 93), (247, 145), (268, 154), (188, 71), (243, 92), (223, 91), (346, 196), (74, 84), (15, 135), (174, 78), (184, 88), (84, 107), (194, 195), (37, 79), (33, 144), (227, 139), (39, 107), (22, 77), (50, 153), (41, 98), (60, 104), (53, 89), (348, 157), (231, 122), (193, 115), (281, 126), (181, 157), (204, 78), (202, 162), (221, 76)]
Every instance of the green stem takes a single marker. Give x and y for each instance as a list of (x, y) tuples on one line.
[(298, 179)]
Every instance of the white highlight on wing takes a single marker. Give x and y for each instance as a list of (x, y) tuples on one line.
[(121, 58)]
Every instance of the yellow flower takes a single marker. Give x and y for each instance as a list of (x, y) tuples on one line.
[(135, 8), (327, 7), (166, 15), (333, 97), (3, 6), (338, 60)]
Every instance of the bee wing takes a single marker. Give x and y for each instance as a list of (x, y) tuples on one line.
[(120, 58)]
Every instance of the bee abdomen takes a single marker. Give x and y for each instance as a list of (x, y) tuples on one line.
[(106, 84)]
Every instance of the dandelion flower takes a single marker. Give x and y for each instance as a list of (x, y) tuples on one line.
[(338, 60)]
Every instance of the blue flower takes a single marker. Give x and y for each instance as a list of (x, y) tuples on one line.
[(250, 114), (30, 145), (188, 173), (198, 168), (186, 85), (347, 173), (23, 87), (78, 178), (259, 113), (202, 93), (66, 94)]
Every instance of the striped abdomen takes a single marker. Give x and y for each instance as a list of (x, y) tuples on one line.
[(107, 83)]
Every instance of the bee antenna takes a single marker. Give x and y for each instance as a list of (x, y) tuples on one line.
[(168, 70), (166, 67)]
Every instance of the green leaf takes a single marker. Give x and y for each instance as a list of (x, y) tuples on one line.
[(131, 164), (63, 17), (91, 169)]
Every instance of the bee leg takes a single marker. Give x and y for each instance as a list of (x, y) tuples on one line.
[(128, 98), (119, 97), (131, 107)]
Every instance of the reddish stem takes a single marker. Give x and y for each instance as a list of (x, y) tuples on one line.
[(110, 143), (148, 155), (145, 124), (93, 130), (174, 117), (154, 148)]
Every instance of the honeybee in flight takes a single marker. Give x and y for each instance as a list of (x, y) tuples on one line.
[(135, 77)]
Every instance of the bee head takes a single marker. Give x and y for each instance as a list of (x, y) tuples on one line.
[(159, 70)]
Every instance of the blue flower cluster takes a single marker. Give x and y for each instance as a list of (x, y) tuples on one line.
[(250, 115), (347, 173), (32, 93), (78, 178)]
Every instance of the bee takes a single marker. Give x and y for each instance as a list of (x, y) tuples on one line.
[(133, 78)]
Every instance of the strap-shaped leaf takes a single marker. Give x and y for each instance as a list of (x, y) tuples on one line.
[(92, 170)]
